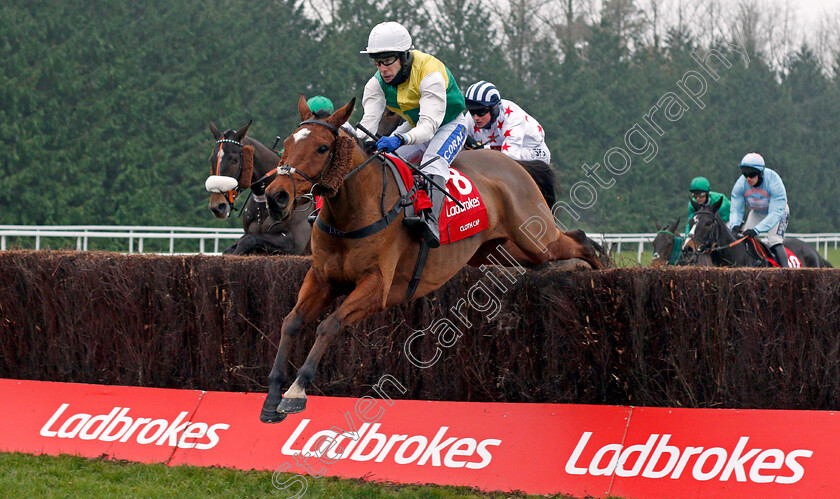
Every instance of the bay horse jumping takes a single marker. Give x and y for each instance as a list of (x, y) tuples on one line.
[(711, 235), (374, 271), (238, 163)]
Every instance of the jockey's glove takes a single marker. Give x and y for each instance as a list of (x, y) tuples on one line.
[(736, 229), (471, 143), (389, 144), (749, 232)]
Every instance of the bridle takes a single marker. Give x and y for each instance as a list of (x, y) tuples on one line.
[(387, 216), (290, 171), (710, 246), (231, 195)]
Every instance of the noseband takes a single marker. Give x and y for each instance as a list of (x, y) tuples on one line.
[(708, 247), (232, 194)]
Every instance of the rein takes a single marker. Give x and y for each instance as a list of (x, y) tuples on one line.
[(368, 230), (233, 194), (290, 170), (246, 155), (717, 247)]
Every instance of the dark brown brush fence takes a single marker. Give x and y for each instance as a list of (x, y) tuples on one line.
[(685, 337)]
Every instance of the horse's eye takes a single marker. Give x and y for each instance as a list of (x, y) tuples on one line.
[(234, 160), (323, 149)]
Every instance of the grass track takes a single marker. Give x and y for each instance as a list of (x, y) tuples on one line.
[(24, 475)]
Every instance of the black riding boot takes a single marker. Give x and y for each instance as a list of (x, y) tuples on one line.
[(426, 226), (781, 255)]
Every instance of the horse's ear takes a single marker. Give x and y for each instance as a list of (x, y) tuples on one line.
[(674, 227), (658, 227), (716, 206), (242, 132), (303, 108), (215, 131), (695, 205), (341, 115)]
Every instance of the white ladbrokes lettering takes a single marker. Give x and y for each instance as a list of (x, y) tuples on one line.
[(714, 462), (117, 425), (469, 204), (367, 444)]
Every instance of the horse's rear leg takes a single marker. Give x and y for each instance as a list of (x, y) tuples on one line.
[(313, 298), (365, 299), (540, 241)]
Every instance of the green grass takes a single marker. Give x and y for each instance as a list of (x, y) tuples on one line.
[(24, 475)]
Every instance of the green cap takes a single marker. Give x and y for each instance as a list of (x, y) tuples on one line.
[(700, 184), (320, 102)]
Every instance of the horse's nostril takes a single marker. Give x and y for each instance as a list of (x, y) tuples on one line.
[(282, 199)]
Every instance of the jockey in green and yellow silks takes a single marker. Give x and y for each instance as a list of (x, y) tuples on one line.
[(421, 89)]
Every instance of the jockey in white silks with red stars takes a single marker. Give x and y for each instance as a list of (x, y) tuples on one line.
[(501, 124), (421, 89)]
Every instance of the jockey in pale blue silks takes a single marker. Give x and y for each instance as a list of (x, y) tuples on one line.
[(764, 192)]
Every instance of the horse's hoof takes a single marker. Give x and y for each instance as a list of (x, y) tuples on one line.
[(269, 416), (292, 405)]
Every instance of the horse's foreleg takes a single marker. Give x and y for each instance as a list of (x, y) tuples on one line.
[(245, 245), (364, 300), (575, 244), (314, 296)]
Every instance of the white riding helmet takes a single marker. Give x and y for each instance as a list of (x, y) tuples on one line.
[(388, 37)]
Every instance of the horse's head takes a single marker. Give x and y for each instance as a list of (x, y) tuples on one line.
[(231, 166), (316, 159), (708, 229), (663, 245)]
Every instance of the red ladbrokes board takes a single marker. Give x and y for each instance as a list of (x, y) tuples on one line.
[(536, 448)]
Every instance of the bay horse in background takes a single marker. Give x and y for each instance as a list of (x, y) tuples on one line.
[(539, 171), (668, 249), (238, 163), (374, 271), (710, 235), (667, 245)]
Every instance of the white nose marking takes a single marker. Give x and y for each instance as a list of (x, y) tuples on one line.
[(301, 134)]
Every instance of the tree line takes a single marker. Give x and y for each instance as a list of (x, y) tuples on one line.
[(104, 107)]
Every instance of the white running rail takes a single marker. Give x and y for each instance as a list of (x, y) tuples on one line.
[(30, 237)]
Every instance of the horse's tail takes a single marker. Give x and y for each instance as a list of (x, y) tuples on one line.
[(543, 175)]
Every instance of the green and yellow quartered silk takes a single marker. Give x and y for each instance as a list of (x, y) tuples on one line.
[(405, 99)]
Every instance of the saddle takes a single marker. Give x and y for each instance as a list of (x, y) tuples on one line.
[(764, 257), (455, 222)]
